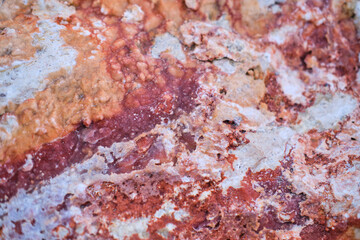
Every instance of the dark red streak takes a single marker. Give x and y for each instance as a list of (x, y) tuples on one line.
[(53, 158)]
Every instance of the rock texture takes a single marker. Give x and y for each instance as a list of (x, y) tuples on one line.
[(174, 119)]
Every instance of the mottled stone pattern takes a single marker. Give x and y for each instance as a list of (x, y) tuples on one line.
[(180, 119)]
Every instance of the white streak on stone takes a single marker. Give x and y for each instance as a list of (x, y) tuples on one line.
[(327, 111), (168, 43), (122, 229), (21, 82)]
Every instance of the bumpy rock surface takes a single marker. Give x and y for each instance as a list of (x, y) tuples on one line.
[(179, 119)]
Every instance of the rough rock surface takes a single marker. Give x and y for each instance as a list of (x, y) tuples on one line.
[(179, 119)]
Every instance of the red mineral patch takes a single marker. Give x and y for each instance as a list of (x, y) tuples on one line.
[(157, 90)]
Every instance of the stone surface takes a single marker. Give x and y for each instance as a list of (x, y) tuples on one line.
[(173, 119)]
